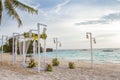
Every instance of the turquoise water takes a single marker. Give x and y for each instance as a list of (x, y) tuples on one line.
[(99, 55)]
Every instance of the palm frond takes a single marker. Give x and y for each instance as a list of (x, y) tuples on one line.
[(24, 7), (1, 8), (12, 12)]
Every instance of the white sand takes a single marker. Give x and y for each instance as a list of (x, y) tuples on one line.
[(101, 71)]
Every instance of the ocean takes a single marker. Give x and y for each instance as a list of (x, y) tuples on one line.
[(111, 55), (99, 55)]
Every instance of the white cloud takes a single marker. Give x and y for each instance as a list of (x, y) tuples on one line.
[(118, 0), (105, 19), (59, 6)]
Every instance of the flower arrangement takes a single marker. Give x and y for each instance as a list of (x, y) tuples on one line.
[(55, 62), (48, 67), (32, 64), (71, 65)]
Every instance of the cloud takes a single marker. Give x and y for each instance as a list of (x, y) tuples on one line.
[(101, 3), (106, 19), (59, 6), (112, 17), (117, 0), (93, 22), (106, 35)]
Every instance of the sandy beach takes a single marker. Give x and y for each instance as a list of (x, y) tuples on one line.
[(101, 71)]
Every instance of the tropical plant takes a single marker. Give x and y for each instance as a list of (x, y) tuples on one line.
[(32, 64), (43, 36), (26, 34), (71, 65), (10, 7), (8, 48), (55, 62), (48, 67)]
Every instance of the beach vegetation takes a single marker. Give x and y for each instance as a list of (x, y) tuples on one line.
[(71, 65), (32, 63), (49, 67), (7, 48), (55, 62)]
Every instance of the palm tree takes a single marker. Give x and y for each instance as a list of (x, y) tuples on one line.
[(11, 5)]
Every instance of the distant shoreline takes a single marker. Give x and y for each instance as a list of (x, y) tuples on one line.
[(89, 49)]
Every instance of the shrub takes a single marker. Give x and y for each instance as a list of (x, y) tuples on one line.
[(48, 67), (71, 65), (32, 64), (28, 55), (55, 62)]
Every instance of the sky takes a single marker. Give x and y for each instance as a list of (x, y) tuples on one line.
[(69, 20)]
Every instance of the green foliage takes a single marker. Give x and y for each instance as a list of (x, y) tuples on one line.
[(32, 64), (8, 48), (71, 65), (26, 34), (43, 36), (55, 62), (30, 49), (48, 67), (0, 47), (11, 7)]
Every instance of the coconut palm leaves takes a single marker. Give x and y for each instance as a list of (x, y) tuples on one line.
[(1, 8), (11, 5), (24, 7)]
